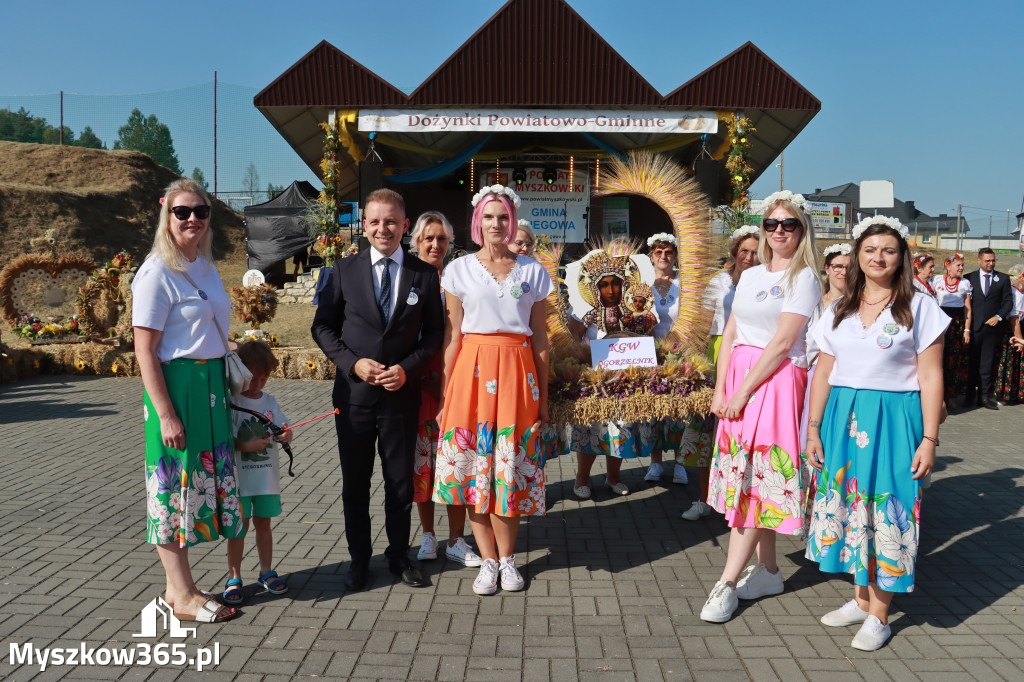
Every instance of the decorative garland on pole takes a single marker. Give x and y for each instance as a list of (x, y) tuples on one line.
[(740, 130)]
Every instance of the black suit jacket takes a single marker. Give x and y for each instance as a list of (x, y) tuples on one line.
[(999, 300), (347, 326)]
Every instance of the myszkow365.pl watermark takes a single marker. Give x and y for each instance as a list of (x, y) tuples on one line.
[(154, 614)]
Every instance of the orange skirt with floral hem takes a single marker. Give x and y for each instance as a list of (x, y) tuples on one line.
[(488, 454)]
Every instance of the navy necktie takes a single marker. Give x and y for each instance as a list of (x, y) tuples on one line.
[(984, 289), (384, 303)]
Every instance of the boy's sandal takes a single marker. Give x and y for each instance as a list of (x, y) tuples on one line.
[(272, 583), (233, 595), (211, 611)]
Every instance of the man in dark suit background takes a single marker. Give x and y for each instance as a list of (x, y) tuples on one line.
[(991, 304), (380, 322)]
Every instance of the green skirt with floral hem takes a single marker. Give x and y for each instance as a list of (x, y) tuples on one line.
[(191, 494)]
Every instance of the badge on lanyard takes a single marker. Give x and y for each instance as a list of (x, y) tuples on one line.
[(761, 295), (884, 341)]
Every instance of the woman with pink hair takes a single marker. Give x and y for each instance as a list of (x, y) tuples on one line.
[(495, 389)]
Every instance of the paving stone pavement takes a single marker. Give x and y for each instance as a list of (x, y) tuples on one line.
[(614, 586)]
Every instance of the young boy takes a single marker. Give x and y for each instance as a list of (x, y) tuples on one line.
[(258, 471)]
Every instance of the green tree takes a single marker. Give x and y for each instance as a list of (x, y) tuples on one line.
[(149, 136), (88, 139), (273, 190), (22, 126), (251, 179), (197, 175)]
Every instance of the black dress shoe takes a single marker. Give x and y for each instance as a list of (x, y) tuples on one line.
[(409, 574), (357, 577), (990, 403)]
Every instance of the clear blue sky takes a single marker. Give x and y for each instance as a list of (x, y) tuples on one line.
[(928, 95)]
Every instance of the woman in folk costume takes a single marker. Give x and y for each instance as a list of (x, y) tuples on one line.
[(495, 391), (1010, 372), (924, 271), (873, 429), (759, 395), (953, 293)]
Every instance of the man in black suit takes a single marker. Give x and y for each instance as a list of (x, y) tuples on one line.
[(380, 322), (991, 304)]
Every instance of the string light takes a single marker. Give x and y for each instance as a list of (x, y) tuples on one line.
[(472, 176), (497, 170), (572, 171), (597, 172)]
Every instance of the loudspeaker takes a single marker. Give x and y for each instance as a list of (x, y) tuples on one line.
[(371, 177), (708, 174)]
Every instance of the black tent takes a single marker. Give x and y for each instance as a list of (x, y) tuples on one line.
[(274, 230)]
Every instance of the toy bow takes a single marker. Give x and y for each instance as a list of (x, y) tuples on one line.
[(274, 429)]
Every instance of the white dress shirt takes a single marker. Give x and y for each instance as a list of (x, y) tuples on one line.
[(397, 258)]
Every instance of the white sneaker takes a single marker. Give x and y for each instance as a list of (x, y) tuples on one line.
[(679, 476), (462, 553), (849, 614), (721, 604), (487, 579), (428, 547), (756, 582), (511, 580), (872, 635), (654, 472), (697, 510)]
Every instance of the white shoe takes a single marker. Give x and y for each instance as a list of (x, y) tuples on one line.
[(697, 510), (511, 579), (849, 613), (428, 547), (619, 488), (582, 492), (721, 604), (756, 582), (487, 579), (872, 635), (679, 476), (462, 553), (654, 472)]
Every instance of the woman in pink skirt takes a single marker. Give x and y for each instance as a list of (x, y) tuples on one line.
[(762, 371)]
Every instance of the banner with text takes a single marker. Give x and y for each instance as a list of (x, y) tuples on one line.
[(557, 211), (536, 121)]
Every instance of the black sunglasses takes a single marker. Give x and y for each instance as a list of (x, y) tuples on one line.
[(788, 225), (183, 212)]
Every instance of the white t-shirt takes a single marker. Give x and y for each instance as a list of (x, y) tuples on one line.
[(667, 307), (163, 299), (951, 299), (258, 473), (490, 307), (760, 299), (718, 297), (882, 357)]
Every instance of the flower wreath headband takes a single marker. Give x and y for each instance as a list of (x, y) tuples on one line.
[(785, 195), (955, 256), (922, 258), (885, 221), (662, 237), (497, 190), (745, 231), (841, 249)]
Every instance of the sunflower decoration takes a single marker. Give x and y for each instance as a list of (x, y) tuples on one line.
[(80, 365), (114, 368), (274, 342), (311, 366)]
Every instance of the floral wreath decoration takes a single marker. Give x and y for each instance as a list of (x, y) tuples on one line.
[(842, 249), (797, 200), (497, 190), (662, 237), (922, 258), (885, 221), (955, 256), (745, 231), (523, 223)]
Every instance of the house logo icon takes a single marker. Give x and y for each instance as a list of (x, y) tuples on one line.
[(156, 611)]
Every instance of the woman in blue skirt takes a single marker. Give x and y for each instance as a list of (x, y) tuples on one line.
[(880, 373)]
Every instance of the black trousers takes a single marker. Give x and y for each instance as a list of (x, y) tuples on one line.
[(362, 434), (984, 354)]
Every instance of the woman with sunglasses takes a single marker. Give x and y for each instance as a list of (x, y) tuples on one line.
[(924, 270), (180, 313), (743, 245), (874, 426), (759, 395), (953, 293)]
